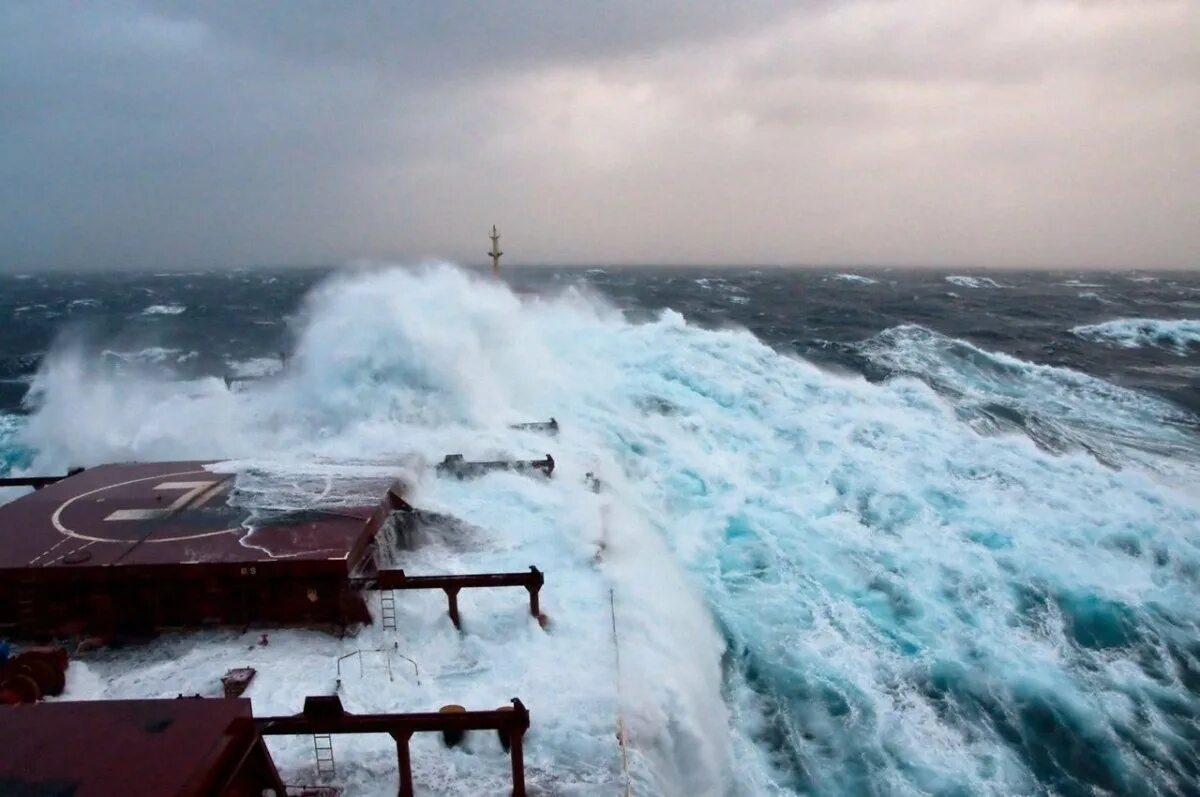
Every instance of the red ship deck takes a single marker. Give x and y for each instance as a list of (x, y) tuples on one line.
[(129, 748), (165, 539)]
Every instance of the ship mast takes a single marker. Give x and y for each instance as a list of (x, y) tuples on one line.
[(495, 253)]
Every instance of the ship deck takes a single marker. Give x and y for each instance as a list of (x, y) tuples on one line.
[(105, 748), (174, 528)]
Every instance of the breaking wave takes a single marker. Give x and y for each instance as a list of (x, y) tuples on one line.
[(822, 585), (1178, 335), (973, 282), (1057, 408), (151, 354), (855, 278), (164, 309)]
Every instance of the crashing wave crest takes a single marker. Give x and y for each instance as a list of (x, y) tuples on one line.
[(1059, 409), (1178, 335), (973, 282), (904, 606), (164, 309)]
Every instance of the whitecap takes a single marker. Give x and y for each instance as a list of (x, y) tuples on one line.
[(1178, 335), (973, 282), (817, 579), (164, 309)]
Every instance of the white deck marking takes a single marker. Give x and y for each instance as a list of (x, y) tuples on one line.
[(56, 518), (194, 489)]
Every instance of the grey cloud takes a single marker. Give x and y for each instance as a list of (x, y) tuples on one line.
[(207, 134)]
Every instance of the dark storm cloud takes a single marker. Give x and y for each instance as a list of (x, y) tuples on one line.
[(205, 134)]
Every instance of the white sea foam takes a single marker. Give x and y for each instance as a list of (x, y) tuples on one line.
[(164, 309), (150, 354), (855, 278), (1058, 408), (890, 584), (973, 282), (255, 367), (1178, 335)]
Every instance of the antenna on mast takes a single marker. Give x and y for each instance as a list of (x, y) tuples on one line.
[(495, 253)]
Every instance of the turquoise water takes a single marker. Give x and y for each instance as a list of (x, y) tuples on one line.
[(979, 576)]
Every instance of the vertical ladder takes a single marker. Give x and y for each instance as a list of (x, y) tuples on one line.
[(387, 601), (323, 752)]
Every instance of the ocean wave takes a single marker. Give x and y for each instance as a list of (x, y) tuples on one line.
[(973, 282), (857, 278), (14, 457), (1178, 335), (255, 367), (150, 354), (822, 585), (164, 309), (1059, 409)]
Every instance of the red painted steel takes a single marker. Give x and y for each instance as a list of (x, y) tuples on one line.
[(324, 714), (532, 581), (134, 748), (128, 549), (34, 673)]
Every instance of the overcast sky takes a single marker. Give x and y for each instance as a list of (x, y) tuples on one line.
[(940, 132)]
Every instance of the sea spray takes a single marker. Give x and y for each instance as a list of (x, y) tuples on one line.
[(824, 585)]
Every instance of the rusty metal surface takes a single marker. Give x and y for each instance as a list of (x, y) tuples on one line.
[(329, 717), (163, 513), (457, 466), (129, 549), (324, 714), (532, 581), (130, 748), (398, 579)]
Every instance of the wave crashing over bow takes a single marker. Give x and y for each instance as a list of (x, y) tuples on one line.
[(824, 585)]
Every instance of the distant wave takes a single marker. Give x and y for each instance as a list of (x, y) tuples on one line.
[(1178, 335), (1058, 408), (153, 354), (855, 278), (164, 309), (973, 282)]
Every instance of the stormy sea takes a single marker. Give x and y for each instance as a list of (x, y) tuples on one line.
[(881, 532)]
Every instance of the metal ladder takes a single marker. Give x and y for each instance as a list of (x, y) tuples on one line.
[(387, 602), (323, 752)]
